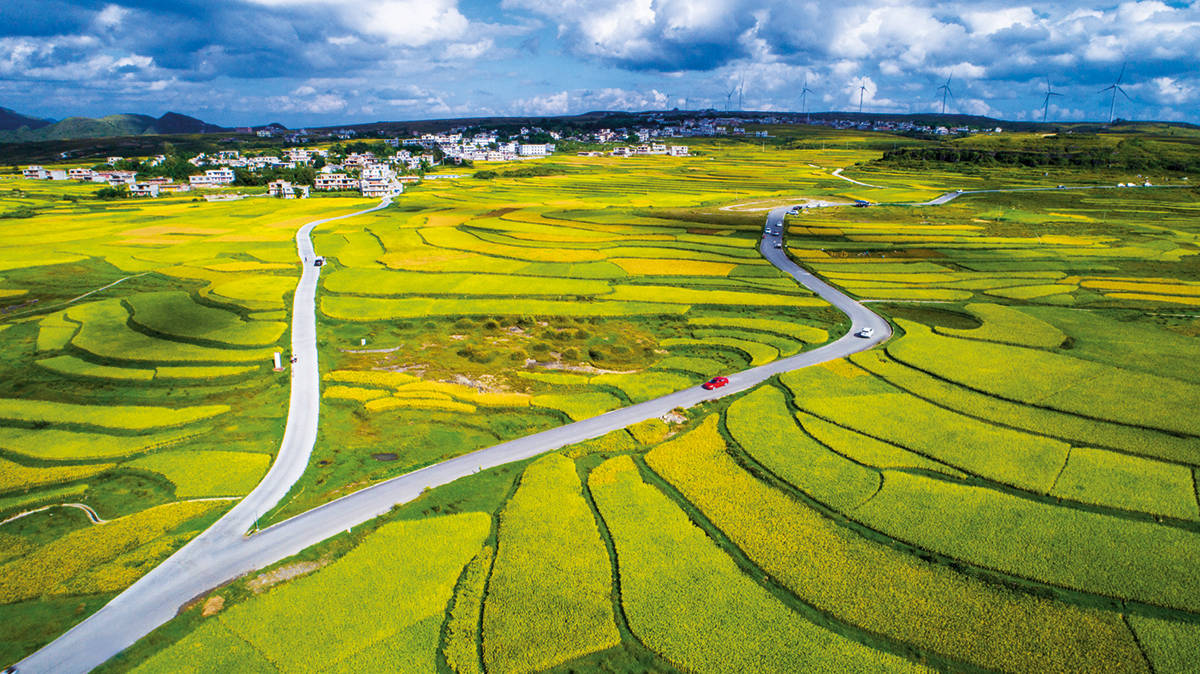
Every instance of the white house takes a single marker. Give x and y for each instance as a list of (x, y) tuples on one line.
[(35, 173), (81, 174), (335, 181), (285, 190), (144, 189), (532, 150), (378, 180), (212, 178), (678, 151)]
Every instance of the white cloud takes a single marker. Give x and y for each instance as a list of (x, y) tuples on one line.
[(110, 17), (408, 23), (987, 22), (552, 104), (1170, 90)]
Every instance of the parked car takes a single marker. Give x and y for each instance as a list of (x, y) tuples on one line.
[(715, 382), (866, 332), (318, 262)]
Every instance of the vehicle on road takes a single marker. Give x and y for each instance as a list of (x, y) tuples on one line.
[(778, 244), (714, 383), (1062, 187), (794, 210), (318, 262), (866, 332), (859, 203)]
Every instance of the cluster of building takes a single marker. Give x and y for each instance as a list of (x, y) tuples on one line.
[(150, 187), (642, 150), (483, 146)]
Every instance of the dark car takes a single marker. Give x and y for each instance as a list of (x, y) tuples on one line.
[(861, 204), (319, 262), (715, 382)]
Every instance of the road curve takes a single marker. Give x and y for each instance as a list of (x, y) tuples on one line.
[(202, 563), (222, 553)]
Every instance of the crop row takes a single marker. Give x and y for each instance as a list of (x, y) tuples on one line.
[(380, 623), (884, 590), (548, 596), (687, 600)]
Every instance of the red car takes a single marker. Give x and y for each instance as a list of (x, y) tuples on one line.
[(715, 382)]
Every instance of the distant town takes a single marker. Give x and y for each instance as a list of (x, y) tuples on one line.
[(294, 172)]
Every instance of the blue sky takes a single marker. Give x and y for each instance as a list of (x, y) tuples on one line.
[(310, 62)]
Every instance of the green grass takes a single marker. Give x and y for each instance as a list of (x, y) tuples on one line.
[(53, 444), (175, 315), (642, 386), (207, 473), (1038, 420), (14, 476), (381, 282), (548, 595), (579, 406), (462, 649), (104, 334), (799, 331), (687, 600), (1067, 547), (118, 418), (1009, 325), (49, 569), (1052, 380), (865, 449), (1170, 646), (764, 427), (1011, 457), (390, 604), (1128, 482), (77, 367)]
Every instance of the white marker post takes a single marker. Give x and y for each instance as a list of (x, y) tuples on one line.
[(278, 362)]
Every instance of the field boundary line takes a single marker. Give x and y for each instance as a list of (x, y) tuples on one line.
[(76, 299)]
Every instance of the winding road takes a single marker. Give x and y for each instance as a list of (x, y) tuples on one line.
[(224, 551)]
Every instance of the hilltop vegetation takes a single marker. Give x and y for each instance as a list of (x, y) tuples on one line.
[(1176, 151)]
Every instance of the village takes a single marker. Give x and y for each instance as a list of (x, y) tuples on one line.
[(366, 173)]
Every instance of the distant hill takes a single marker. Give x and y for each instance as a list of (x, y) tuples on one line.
[(106, 127), (12, 120)]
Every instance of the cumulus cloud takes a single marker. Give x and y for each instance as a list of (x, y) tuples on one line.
[(352, 59), (550, 104)]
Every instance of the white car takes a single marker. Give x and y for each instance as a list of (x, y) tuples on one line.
[(866, 332), (778, 245)]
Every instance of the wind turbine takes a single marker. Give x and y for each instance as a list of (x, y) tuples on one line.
[(804, 92), (741, 86), (729, 97), (1046, 103), (1115, 87), (945, 89), (862, 90)]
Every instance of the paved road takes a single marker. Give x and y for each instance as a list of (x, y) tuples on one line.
[(205, 561), (223, 552)]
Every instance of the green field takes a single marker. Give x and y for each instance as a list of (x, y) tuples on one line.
[(1008, 484)]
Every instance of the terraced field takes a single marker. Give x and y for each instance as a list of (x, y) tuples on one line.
[(1009, 484), (151, 401)]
